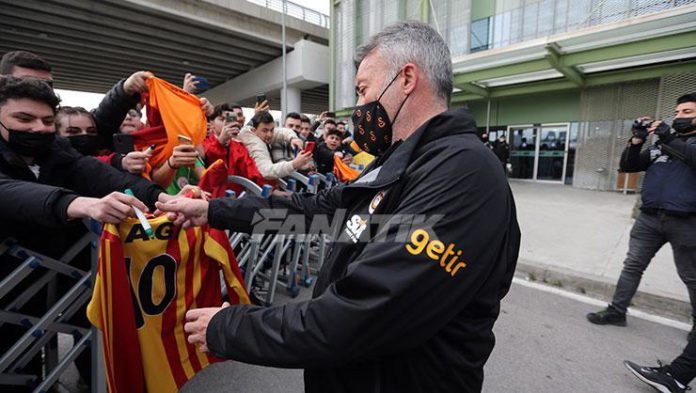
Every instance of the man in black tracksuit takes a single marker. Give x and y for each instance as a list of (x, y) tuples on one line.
[(399, 308), (386, 315)]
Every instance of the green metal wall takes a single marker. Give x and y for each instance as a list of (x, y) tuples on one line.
[(530, 109)]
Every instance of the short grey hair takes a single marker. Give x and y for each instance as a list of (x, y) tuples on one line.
[(413, 42)]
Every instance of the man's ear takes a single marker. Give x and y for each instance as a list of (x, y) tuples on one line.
[(411, 74)]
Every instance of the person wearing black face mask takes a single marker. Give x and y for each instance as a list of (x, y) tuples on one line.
[(373, 128), (668, 212), (391, 311), (685, 126), (78, 126), (29, 143)]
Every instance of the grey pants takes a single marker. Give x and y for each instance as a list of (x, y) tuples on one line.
[(649, 233)]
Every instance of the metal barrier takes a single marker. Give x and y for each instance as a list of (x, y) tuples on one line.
[(42, 331), (253, 251), (261, 256)]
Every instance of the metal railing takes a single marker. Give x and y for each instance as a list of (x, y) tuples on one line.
[(41, 330), (549, 17), (296, 11), (36, 272)]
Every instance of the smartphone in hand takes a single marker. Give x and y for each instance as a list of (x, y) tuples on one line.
[(123, 143), (231, 118), (202, 85), (184, 140), (309, 147)]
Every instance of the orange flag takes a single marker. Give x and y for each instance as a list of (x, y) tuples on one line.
[(344, 172), (178, 111)]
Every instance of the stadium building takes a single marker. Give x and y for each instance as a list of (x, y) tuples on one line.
[(561, 79)]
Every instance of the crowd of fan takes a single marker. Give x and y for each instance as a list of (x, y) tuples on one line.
[(257, 150), (59, 164)]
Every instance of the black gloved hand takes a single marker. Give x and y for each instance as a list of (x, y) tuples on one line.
[(664, 132)]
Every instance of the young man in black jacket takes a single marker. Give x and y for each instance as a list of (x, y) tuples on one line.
[(396, 308), (668, 212), (47, 186)]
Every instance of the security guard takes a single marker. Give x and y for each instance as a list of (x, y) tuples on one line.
[(396, 308)]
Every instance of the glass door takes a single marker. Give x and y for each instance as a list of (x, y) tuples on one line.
[(523, 142), (552, 152), (539, 151)]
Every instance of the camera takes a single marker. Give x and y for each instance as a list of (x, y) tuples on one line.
[(640, 128), (231, 118)]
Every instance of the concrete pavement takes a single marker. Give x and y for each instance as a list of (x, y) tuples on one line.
[(573, 239), (543, 345), (577, 239)]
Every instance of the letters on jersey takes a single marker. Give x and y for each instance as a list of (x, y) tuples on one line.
[(142, 292)]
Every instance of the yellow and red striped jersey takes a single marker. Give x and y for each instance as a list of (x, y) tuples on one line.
[(141, 294)]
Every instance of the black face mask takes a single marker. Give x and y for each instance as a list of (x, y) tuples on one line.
[(683, 125), (372, 127), (30, 144), (86, 144)]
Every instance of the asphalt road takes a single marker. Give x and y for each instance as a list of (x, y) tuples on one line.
[(544, 344)]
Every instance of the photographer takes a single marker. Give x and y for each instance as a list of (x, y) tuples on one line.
[(668, 213)]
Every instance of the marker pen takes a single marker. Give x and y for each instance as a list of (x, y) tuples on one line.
[(141, 216), (150, 149)]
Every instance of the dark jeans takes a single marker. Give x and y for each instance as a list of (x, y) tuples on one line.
[(683, 368), (649, 233)]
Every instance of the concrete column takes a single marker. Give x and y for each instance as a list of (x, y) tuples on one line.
[(294, 101)]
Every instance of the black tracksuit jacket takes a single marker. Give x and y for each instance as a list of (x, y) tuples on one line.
[(407, 309)]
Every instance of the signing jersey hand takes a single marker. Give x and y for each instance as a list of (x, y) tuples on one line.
[(185, 211), (112, 208)]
